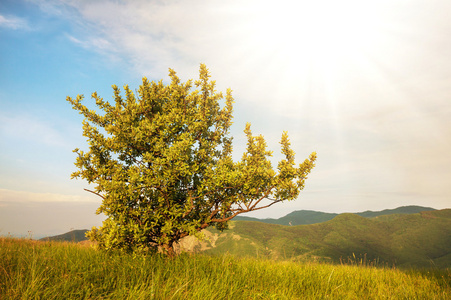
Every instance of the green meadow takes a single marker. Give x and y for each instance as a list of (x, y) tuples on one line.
[(62, 270)]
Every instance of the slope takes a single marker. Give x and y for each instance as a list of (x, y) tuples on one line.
[(416, 240), (71, 236)]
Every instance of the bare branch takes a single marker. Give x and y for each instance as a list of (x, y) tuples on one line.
[(95, 193), (244, 211)]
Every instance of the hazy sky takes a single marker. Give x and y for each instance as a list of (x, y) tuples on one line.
[(365, 84)]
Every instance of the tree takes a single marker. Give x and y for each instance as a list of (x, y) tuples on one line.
[(162, 163)]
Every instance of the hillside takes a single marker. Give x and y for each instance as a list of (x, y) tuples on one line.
[(304, 217), (415, 240), (71, 236), (52, 270), (405, 210)]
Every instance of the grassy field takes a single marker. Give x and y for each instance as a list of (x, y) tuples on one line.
[(55, 270)]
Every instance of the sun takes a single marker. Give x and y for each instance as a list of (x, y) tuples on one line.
[(310, 50), (320, 35)]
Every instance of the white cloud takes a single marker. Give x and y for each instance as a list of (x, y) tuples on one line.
[(75, 40), (94, 43), (53, 7), (11, 196), (29, 128), (13, 22)]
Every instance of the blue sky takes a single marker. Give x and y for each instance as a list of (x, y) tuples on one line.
[(365, 85)]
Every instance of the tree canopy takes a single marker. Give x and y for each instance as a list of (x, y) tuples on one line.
[(161, 160)]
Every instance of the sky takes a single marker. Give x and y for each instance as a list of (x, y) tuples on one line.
[(365, 84)]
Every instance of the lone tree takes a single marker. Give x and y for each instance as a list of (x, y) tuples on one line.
[(162, 163)]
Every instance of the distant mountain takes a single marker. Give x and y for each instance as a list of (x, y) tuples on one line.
[(299, 217), (412, 209), (304, 217), (71, 236)]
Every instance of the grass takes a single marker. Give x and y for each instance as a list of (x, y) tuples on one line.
[(54, 270)]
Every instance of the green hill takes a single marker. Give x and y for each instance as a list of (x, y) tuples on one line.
[(304, 217), (299, 217), (412, 209), (415, 240), (71, 236)]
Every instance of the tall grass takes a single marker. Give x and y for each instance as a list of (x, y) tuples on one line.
[(51, 270)]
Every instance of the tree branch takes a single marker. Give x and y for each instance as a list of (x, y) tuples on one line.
[(243, 211), (95, 193)]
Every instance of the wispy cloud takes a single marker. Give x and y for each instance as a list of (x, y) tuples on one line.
[(93, 43), (29, 128), (9, 196), (13, 22), (53, 7)]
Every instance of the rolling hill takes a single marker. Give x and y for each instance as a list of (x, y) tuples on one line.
[(71, 236), (404, 240)]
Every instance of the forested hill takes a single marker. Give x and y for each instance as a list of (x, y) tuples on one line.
[(404, 240), (71, 236), (305, 217)]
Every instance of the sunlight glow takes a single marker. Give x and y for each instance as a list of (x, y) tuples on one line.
[(313, 50), (316, 34)]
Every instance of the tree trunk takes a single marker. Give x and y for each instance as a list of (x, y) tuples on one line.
[(168, 249)]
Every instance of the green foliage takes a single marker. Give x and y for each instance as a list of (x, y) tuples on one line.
[(162, 162), (50, 270)]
